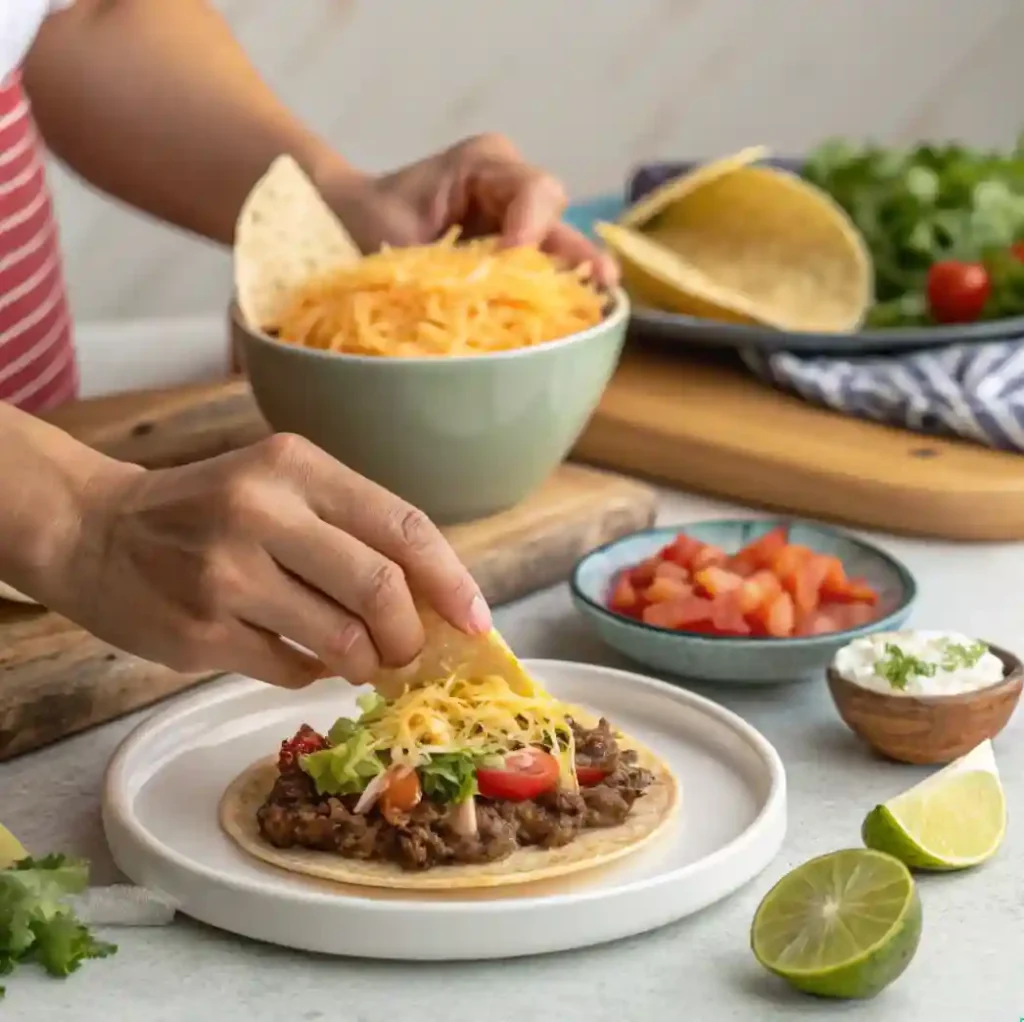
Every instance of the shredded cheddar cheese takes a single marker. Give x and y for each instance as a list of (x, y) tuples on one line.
[(480, 716), (442, 299)]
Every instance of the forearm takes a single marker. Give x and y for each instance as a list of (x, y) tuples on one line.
[(46, 476), (156, 104)]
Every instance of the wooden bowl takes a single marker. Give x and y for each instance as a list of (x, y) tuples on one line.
[(929, 729)]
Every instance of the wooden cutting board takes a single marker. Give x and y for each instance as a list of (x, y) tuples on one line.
[(56, 680), (704, 423)]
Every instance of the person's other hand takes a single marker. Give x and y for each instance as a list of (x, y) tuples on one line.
[(213, 565), (482, 185)]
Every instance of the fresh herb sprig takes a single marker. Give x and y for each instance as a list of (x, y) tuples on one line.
[(898, 666), (36, 922)]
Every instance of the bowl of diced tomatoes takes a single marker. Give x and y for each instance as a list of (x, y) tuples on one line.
[(742, 600)]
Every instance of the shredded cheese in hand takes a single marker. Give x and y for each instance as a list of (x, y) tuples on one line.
[(443, 299)]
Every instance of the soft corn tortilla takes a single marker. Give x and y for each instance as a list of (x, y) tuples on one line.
[(645, 209), (650, 816), (285, 235), (754, 245)]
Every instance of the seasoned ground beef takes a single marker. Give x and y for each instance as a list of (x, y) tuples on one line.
[(295, 816)]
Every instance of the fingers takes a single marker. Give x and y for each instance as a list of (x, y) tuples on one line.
[(359, 576), (361, 580), (569, 244), (266, 657), (534, 206), (289, 608)]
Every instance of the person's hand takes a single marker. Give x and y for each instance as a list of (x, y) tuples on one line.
[(482, 185), (208, 566)]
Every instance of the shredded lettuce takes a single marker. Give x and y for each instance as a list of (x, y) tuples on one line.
[(449, 777), (346, 768)]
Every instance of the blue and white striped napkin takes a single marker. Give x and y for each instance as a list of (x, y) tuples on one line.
[(972, 391)]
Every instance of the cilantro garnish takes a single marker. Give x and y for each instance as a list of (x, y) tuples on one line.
[(956, 655), (898, 666), (37, 924)]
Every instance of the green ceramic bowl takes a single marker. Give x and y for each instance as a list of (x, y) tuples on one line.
[(725, 658), (460, 438)]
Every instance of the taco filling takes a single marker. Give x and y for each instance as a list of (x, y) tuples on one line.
[(455, 773)]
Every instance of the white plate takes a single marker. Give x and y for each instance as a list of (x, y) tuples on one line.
[(164, 784)]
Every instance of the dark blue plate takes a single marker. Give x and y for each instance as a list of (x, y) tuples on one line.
[(672, 326)]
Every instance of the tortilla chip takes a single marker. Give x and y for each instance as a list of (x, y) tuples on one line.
[(596, 847), (645, 209), (285, 234), (447, 650), (9, 593)]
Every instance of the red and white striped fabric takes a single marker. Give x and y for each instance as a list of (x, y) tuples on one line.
[(37, 360)]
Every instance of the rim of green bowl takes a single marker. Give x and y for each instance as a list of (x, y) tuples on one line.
[(907, 582), (618, 312)]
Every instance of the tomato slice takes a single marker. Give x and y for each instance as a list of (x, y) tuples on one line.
[(526, 773), (588, 776)]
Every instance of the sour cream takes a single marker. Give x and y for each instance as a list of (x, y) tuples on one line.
[(919, 663)]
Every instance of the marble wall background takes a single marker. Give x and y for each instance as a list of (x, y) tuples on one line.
[(587, 87)]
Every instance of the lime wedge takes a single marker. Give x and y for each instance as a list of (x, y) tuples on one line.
[(843, 925), (11, 849), (952, 820)]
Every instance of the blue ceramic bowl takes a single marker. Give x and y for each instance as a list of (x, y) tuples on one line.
[(735, 659)]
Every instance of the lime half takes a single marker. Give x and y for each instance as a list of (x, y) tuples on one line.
[(843, 925), (11, 849), (954, 819)]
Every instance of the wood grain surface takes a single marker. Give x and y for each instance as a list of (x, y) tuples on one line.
[(56, 679), (705, 424)]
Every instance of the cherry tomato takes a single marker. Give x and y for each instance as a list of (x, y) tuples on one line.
[(302, 743), (525, 774), (957, 291), (588, 776)]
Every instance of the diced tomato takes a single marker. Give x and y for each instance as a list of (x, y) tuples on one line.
[(682, 550), (758, 589), (727, 616), (302, 743), (789, 559), (805, 581), (836, 586), (682, 614), (525, 774), (642, 574), (403, 793), (669, 569), (624, 596), (817, 622), (663, 589), (851, 615), (707, 556), (777, 617), (761, 552), (715, 581), (588, 776)]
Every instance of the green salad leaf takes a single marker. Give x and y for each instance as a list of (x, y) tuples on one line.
[(37, 924), (927, 204), (347, 767), (449, 777)]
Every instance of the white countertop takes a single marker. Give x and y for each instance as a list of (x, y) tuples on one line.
[(701, 969)]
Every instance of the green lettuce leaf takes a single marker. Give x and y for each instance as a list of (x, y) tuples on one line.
[(449, 777), (346, 768), (36, 923)]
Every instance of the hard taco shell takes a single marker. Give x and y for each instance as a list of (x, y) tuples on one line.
[(649, 817)]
